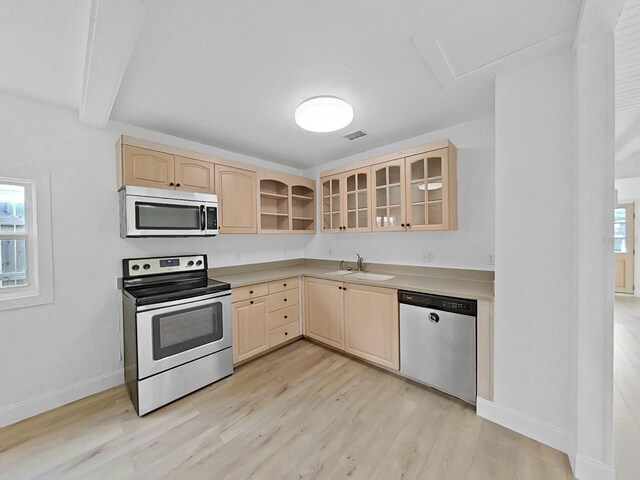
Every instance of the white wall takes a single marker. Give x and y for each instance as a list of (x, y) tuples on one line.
[(535, 311), (629, 192), (467, 247), (46, 351)]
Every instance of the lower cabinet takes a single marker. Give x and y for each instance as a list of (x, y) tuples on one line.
[(359, 319), (250, 328), (264, 316)]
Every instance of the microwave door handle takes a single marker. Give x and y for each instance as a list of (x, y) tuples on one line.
[(203, 218)]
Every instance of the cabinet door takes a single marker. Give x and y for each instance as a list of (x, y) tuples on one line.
[(428, 190), (194, 175), (324, 311), (250, 328), (236, 190), (357, 200), (331, 188), (371, 324), (148, 168), (388, 196)]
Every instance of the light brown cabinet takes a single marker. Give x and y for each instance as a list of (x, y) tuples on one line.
[(388, 194), (236, 190), (371, 324), (194, 175), (286, 203), (358, 319), (250, 328), (147, 168), (346, 201), (264, 316), (324, 311)]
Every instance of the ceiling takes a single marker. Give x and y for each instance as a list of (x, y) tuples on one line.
[(627, 86), (231, 73)]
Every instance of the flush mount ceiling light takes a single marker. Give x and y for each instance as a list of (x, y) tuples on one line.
[(324, 114)]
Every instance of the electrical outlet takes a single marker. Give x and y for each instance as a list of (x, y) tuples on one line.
[(427, 256), (491, 260)]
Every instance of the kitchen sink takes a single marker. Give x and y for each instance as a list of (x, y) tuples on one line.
[(339, 272), (370, 276)]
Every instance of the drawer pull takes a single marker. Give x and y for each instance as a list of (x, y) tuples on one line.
[(286, 333), (285, 299), (286, 316), (250, 292), (285, 284), (251, 302)]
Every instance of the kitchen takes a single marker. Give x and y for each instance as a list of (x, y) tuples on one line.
[(78, 352)]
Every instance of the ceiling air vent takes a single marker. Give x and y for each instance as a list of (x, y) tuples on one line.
[(354, 135)]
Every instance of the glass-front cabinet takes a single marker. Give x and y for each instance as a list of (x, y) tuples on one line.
[(388, 194), (427, 184), (346, 200)]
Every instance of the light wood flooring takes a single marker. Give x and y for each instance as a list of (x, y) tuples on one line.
[(300, 412), (626, 391)]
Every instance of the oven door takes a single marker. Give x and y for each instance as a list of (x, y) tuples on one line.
[(171, 334), (161, 217)]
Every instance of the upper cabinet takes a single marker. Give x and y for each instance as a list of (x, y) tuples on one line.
[(194, 175), (147, 168), (236, 190), (286, 203), (346, 201), (411, 190)]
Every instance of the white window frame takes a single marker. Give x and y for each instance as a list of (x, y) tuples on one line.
[(37, 210)]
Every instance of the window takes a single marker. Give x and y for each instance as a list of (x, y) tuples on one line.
[(13, 236), (26, 266)]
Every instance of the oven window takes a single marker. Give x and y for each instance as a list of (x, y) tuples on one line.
[(183, 330), (162, 216)]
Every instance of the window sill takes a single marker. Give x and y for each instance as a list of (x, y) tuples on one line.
[(27, 297)]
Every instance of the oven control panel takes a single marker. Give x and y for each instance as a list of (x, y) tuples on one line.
[(138, 267)]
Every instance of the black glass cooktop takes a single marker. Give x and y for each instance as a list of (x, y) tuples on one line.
[(166, 292)]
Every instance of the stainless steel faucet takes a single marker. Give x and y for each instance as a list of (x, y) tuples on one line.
[(341, 264), (360, 260)]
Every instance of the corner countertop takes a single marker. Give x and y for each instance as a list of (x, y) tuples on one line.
[(475, 285)]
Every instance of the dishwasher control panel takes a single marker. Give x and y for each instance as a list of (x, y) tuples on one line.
[(439, 302)]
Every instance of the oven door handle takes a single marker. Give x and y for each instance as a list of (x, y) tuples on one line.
[(203, 218)]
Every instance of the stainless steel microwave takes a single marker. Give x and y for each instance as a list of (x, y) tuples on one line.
[(155, 212)]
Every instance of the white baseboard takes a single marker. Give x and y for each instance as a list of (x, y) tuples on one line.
[(33, 406), (528, 426), (590, 469)]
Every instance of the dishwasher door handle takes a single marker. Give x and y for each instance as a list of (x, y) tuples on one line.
[(434, 317)]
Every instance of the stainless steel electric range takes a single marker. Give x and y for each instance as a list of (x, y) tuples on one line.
[(177, 329)]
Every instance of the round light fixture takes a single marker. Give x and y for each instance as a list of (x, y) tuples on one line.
[(324, 114)]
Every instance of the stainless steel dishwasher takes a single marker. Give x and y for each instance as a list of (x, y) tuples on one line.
[(438, 342)]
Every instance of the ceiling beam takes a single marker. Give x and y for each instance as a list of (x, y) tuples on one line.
[(113, 30)]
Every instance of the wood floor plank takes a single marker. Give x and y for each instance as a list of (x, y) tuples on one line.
[(299, 412)]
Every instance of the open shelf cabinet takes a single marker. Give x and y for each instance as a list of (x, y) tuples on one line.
[(286, 204)]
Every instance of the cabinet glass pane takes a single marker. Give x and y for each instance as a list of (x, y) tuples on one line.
[(335, 220), (381, 217), (362, 181), (351, 183), (394, 174), (335, 203), (362, 199), (381, 177), (326, 204), (417, 170), (394, 216), (394, 195), (381, 197), (335, 186), (351, 201), (363, 219), (417, 193), (351, 220), (435, 191), (326, 188), (326, 221), (434, 167), (418, 214), (435, 214)]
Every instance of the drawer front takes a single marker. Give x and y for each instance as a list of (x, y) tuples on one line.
[(252, 291), (284, 284), (280, 300), (283, 316), (284, 333)]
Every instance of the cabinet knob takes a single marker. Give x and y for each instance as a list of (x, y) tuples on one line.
[(408, 224), (286, 333), (177, 184), (250, 292), (402, 224), (285, 299), (251, 302), (344, 288), (340, 288), (286, 317), (285, 284), (171, 184)]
